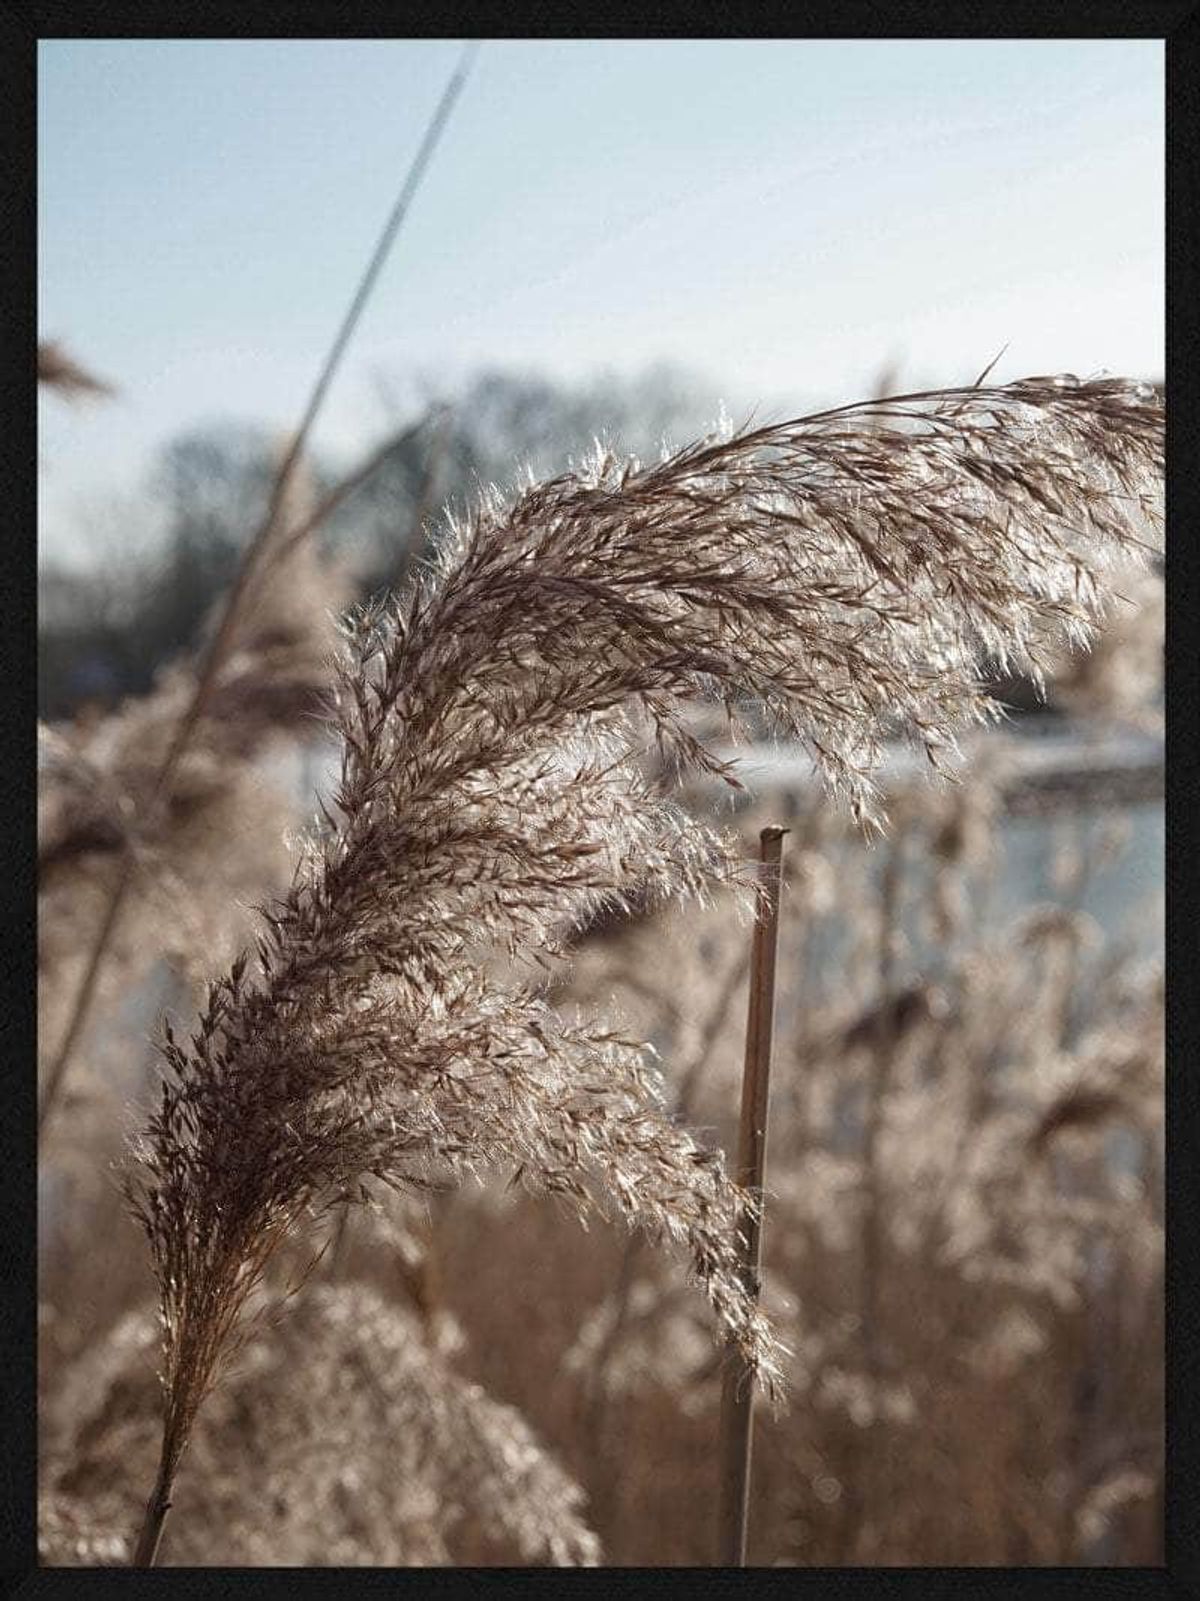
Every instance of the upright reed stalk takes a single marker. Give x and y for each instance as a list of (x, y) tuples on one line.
[(738, 1390)]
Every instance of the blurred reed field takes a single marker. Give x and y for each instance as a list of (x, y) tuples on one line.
[(359, 1323)]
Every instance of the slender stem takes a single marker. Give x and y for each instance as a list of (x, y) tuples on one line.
[(222, 639), (737, 1391), (149, 1538)]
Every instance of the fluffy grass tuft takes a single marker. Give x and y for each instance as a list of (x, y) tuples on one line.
[(855, 574)]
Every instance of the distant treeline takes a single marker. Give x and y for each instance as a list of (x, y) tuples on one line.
[(107, 625)]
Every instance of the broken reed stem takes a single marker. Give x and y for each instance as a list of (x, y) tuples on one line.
[(223, 638), (737, 1390)]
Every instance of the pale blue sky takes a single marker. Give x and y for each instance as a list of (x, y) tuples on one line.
[(783, 216)]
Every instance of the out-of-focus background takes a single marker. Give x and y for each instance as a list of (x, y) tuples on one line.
[(632, 240)]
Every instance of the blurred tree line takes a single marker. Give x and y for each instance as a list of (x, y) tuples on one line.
[(104, 629)]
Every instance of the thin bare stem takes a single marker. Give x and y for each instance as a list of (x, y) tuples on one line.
[(149, 1539), (737, 1390), (224, 635)]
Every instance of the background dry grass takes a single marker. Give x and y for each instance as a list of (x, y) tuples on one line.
[(1007, 1411)]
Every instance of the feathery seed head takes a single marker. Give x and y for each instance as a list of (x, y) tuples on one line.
[(852, 573)]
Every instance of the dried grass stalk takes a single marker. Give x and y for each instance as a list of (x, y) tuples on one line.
[(849, 571)]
